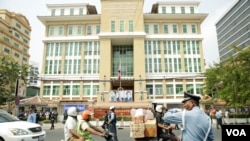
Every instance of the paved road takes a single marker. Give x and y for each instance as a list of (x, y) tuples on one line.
[(123, 134)]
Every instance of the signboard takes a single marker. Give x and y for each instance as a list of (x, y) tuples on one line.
[(80, 107), (20, 88), (121, 96)]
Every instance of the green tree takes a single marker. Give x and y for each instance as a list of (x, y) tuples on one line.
[(10, 71), (229, 80)]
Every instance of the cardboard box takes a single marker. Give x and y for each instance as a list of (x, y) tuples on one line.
[(150, 128), (137, 130)]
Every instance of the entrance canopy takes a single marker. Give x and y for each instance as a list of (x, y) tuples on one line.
[(36, 100)]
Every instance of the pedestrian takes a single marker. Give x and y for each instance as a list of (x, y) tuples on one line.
[(227, 117), (65, 115), (112, 122), (218, 117), (85, 128), (196, 124), (70, 133), (105, 121), (161, 128), (52, 120), (32, 114)]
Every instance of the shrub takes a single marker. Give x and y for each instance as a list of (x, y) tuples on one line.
[(46, 121)]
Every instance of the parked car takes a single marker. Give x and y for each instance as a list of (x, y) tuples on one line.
[(13, 129)]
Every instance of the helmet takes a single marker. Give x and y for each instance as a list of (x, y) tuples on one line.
[(112, 107), (72, 111), (86, 114), (159, 108)]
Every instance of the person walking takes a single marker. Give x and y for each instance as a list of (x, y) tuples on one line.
[(70, 126), (105, 121), (32, 115), (85, 128), (196, 124), (112, 122), (218, 116), (52, 120)]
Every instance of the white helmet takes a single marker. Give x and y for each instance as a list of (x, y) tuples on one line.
[(159, 108), (72, 111), (112, 107)]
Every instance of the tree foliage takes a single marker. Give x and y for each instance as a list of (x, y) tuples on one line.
[(229, 80), (10, 71)]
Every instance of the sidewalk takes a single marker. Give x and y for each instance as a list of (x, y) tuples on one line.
[(119, 124)]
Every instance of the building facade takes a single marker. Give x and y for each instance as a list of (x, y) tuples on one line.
[(14, 36), (233, 28), (122, 56)]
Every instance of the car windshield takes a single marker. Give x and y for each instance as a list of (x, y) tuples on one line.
[(6, 117)]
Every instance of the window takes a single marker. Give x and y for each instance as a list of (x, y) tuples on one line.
[(81, 11), (184, 28), (79, 30), (193, 29), (98, 29), (149, 89), (18, 25), (6, 50), (62, 12), (190, 88), (16, 55), (164, 10), (70, 30), (170, 89), (112, 26), (131, 26), (88, 30), (174, 28), (55, 90), (66, 90), (51, 31), (53, 12), (146, 28), (158, 89), (86, 90), (165, 28), (121, 26), (173, 10), (71, 11), (46, 90), (182, 10), (60, 31), (6, 39), (76, 90), (155, 29), (192, 10), (179, 89)]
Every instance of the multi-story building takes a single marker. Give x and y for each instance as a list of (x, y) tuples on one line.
[(14, 36), (233, 28), (34, 72), (122, 56)]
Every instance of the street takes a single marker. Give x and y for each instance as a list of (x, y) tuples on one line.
[(123, 134)]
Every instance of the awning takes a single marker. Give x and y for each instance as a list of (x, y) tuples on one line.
[(106, 105), (36, 100)]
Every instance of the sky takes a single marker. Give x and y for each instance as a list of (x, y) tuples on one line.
[(33, 8)]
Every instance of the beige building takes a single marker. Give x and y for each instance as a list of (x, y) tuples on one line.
[(158, 55), (14, 36)]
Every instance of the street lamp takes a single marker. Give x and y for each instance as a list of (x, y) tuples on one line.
[(104, 88), (19, 88)]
